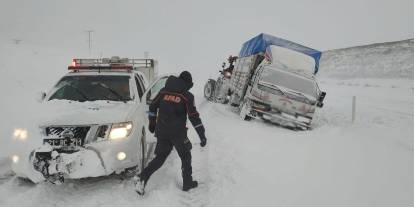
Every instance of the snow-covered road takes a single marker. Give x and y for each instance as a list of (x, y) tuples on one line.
[(368, 163)]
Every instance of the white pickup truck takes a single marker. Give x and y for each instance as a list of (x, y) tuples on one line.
[(94, 122)]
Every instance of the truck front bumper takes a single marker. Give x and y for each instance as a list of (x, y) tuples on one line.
[(282, 118)]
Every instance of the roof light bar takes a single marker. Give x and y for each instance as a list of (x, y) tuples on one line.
[(102, 67), (113, 63)]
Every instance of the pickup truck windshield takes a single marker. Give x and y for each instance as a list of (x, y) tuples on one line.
[(289, 81), (93, 88)]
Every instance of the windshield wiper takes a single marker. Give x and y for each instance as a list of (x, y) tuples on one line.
[(301, 94), (78, 91), (118, 96), (271, 85)]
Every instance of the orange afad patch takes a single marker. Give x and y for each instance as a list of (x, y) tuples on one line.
[(172, 98)]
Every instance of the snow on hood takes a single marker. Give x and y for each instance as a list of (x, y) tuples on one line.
[(64, 112)]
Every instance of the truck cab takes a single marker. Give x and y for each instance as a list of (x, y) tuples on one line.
[(282, 97), (275, 79)]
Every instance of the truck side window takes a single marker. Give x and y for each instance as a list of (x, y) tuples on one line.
[(139, 87)]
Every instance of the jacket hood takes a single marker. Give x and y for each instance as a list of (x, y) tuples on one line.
[(178, 85)]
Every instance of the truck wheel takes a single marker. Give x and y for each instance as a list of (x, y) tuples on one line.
[(209, 89), (232, 100), (245, 110), (226, 100)]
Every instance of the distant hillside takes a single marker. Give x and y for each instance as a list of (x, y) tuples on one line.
[(382, 60)]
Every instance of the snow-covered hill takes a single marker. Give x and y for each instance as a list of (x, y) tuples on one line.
[(382, 60)]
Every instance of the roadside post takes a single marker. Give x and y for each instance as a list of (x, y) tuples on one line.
[(353, 108)]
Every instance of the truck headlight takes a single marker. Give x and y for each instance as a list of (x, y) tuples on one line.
[(120, 130), (20, 134)]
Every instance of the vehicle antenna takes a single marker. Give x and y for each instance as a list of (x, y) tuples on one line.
[(89, 41)]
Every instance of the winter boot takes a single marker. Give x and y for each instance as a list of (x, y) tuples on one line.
[(139, 185), (189, 185)]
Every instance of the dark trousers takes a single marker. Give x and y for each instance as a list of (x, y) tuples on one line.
[(162, 150)]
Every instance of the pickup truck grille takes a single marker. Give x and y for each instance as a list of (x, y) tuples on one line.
[(64, 131), (102, 131)]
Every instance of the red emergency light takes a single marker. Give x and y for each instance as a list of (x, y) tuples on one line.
[(73, 62)]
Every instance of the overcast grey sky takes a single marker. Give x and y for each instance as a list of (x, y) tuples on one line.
[(201, 33)]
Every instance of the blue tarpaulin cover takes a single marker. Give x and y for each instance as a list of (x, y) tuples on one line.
[(262, 41)]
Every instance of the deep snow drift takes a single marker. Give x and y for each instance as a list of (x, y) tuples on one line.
[(338, 163)]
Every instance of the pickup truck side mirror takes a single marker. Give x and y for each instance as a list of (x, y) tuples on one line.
[(148, 98)]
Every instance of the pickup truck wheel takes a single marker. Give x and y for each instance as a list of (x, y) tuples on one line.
[(143, 146), (130, 172), (209, 89), (245, 110)]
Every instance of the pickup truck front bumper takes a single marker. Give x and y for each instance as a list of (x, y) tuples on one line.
[(47, 163)]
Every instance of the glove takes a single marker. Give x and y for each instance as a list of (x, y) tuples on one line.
[(151, 126), (203, 140), (201, 133)]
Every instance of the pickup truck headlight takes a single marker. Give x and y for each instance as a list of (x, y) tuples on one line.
[(120, 130), (15, 159)]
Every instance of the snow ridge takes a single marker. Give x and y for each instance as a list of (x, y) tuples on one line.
[(382, 60)]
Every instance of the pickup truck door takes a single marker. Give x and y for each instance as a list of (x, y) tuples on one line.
[(149, 95), (153, 90)]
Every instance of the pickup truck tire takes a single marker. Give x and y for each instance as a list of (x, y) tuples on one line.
[(209, 89), (131, 172), (143, 147)]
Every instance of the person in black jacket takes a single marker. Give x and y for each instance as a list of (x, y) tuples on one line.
[(167, 118)]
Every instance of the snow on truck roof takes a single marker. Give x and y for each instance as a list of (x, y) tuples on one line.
[(261, 43)]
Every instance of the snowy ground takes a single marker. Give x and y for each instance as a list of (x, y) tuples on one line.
[(367, 163)]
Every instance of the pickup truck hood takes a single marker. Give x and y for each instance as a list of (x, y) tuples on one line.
[(62, 112)]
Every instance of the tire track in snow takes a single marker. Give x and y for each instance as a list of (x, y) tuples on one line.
[(5, 170), (211, 175), (214, 165), (200, 162), (200, 195)]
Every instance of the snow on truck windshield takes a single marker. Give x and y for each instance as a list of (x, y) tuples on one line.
[(292, 60), (289, 81), (92, 88)]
